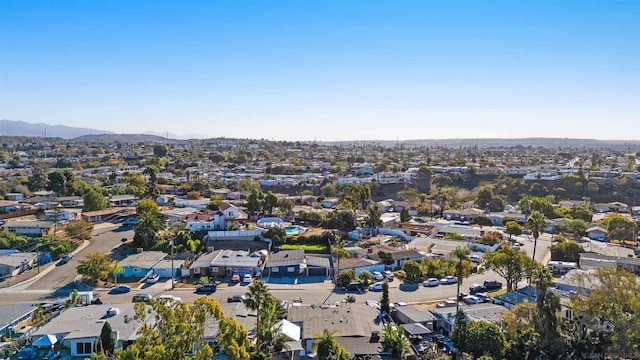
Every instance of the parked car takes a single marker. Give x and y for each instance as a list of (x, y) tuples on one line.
[(235, 278), (152, 278), (142, 298), (482, 297), (377, 276), (516, 246), (65, 259), (389, 275), (448, 280), (355, 286), (168, 297), (470, 299), (376, 287), (431, 282), (206, 288), (247, 278), (120, 289), (477, 288), (475, 258), (236, 298), (492, 285)]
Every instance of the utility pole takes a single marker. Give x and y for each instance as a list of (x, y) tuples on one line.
[(172, 269)]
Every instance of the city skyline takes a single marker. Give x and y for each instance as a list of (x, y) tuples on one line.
[(360, 70)]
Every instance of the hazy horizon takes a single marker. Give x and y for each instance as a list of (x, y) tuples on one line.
[(326, 70)]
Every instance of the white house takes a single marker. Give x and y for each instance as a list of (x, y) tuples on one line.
[(14, 263), (597, 233), (30, 227)]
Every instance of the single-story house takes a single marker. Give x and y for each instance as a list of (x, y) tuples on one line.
[(164, 268), (329, 203), (477, 312), (15, 263), (107, 214), (30, 227), (511, 299), (78, 328), (123, 200), (227, 262), (297, 263), (359, 265), (590, 261), (7, 206), (398, 256), (141, 264), (63, 215), (13, 316), (597, 233), (355, 325), (412, 315), (497, 218), (14, 196), (70, 201)]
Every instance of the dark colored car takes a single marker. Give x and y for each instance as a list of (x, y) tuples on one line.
[(355, 286), (120, 289), (477, 288), (142, 298), (236, 298), (492, 285), (65, 259), (206, 288)]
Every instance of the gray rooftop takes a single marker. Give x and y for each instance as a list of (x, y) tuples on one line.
[(285, 258), (87, 321), (16, 259), (227, 258), (11, 312), (30, 224), (415, 315), (318, 261), (145, 259), (346, 319)]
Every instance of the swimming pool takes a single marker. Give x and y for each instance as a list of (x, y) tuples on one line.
[(294, 229)]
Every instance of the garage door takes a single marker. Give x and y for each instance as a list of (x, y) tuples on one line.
[(163, 273)]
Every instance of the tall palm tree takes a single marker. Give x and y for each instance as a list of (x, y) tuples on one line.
[(257, 299), (536, 223), (462, 268)]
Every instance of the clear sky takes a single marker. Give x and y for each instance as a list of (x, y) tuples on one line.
[(330, 70)]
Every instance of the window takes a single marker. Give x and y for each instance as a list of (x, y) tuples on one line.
[(84, 348), (136, 270), (275, 269), (213, 269), (291, 269)]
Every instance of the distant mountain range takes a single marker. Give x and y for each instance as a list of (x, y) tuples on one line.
[(22, 128)]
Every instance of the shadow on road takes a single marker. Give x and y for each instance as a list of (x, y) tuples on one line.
[(409, 287)]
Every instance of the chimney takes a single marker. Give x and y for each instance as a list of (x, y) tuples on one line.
[(139, 250)]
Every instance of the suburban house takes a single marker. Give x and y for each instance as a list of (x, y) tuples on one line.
[(70, 201), (14, 316), (15, 263), (109, 214), (227, 216), (164, 268), (7, 206), (590, 261), (597, 233), (356, 326), (511, 299), (478, 312), (141, 264), (396, 256), (296, 263), (78, 328), (14, 196), (497, 218), (222, 263), (63, 215), (359, 265), (30, 227), (123, 200), (412, 315)]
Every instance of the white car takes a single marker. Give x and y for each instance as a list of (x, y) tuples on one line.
[(471, 299), (152, 278), (516, 246), (448, 280), (168, 297), (377, 275), (388, 274), (431, 282), (376, 287), (247, 278)]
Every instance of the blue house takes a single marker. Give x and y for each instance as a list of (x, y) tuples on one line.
[(141, 264), (284, 263)]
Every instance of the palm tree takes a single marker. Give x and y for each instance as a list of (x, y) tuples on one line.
[(536, 223), (462, 267), (257, 299), (327, 347), (394, 342), (273, 340)]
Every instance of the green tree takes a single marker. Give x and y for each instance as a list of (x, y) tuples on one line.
[(481, 221), (160, 150), (61, 182), (462, 268), (413, 270), (575, 227), (150, 222), (277, 234), (373, 216), (522, 338), (619, 227), (346, 276), (484, 338), (460, 332), (328, 348), (151, 171), (79, 230), (93, 200), (257, 299), (513, 228), (285, 205), (215, 202), (365, 277), (548, 306), (106, 342), (270, 202), (95, 266), (405, 216), (394, 342), (384, 300), (38, 179), (255, 201), (566, 250), (509, 263), (536, 223)]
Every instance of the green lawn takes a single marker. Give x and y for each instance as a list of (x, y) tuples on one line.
[(318, 248)]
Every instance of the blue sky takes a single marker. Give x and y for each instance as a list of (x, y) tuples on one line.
[(330, 70)]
